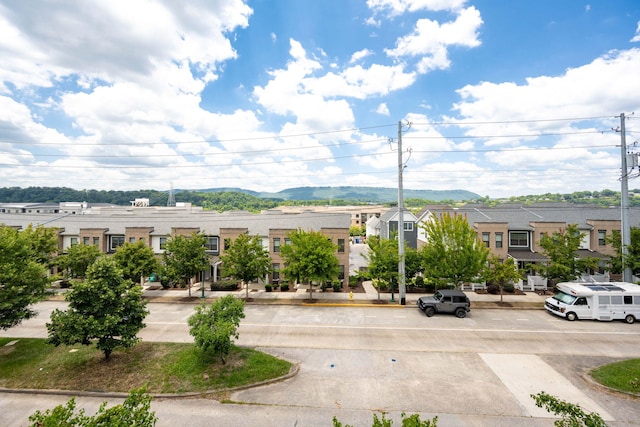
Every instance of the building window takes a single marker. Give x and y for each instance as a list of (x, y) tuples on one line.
[(276, 272), (142, 239), (276, 244), (74, 241), (498, 240), (408, 226), (96, 241), (212, 244), (132, 239), (340, 245), (287, 241), (602, 237), (163, 243), (485, 238), (85, 240), (518, 239), (341, 272), (116, 242)]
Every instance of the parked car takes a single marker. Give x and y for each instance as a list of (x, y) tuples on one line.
[(445, 301)]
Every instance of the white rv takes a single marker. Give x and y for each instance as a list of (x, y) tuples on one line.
[(598, 301)]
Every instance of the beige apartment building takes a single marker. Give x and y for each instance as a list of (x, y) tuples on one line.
[(110, 227)]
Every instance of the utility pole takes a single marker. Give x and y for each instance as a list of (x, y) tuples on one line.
[(402, 289), (624, 203)]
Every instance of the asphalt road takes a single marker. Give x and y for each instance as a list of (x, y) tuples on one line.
[(355, 361)]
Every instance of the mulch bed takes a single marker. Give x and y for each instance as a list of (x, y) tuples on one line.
[(358, 289), (515, 292)]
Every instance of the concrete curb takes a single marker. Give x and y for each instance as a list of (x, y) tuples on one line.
[(382, 303), (295, 368)]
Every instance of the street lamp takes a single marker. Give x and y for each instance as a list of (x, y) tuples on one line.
[(202, 281)]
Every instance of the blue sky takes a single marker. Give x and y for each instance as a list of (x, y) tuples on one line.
[(502, 99)]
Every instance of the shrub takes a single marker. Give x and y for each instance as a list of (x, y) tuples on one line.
[(284, 287), (134, 411), (224, 285), (337, 286), (494, 289), (268, 288), (419, 281)]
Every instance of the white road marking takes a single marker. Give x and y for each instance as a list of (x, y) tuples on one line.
[(527, 374), (419, 328)]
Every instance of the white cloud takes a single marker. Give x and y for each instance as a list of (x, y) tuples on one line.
[(383, 109), (579, 92), (636, 38), (397, 7), (49, 34), (431, 40), (316, 100), (371, 21), (360, 55)]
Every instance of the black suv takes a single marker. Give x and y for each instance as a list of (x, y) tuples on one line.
[(445, 301)]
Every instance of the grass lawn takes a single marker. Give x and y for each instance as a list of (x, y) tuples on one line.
[(624, 375), (162, 367)]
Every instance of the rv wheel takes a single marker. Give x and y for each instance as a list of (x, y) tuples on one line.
[(571, 316), (629, 318)]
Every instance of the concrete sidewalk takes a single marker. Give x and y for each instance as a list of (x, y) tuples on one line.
[(258, 295)]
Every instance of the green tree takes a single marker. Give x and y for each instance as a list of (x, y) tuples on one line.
[(633, 251), (185, 257), (310, 256), (77, 259), (213, 326), (136, 260), (357, 230), (561, 248), (616, 263), (23, 272), (412, 262), (135, 411), (383, 260), (407, 421), (44, 243), (452, 254), (105, 308), (501, 272), (572, 415), (246, 259)]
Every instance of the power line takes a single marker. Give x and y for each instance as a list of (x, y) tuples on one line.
[(318, 133)]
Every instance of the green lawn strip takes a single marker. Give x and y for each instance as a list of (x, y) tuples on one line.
[(623, 375), (162, 367)]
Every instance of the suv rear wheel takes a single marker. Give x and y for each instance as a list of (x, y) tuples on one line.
[(460, 312), (429, 311)]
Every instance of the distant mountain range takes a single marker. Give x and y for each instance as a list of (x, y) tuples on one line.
[(224, 196), (358, 194)]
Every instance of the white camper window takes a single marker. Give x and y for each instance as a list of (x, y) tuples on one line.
[(616, 299), (603, 299)]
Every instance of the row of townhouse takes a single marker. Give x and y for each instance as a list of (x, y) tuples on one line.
[(110, 227), (514, 230), (360, 214)]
